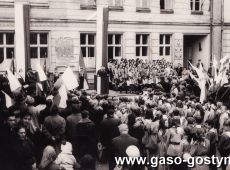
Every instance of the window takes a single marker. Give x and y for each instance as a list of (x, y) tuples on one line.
[(6, 46), (165, 45), (87, 42), (166, 4), (195, 5), (38, 45), (142, 44), (114, 45), (143, 3), (116, 3)]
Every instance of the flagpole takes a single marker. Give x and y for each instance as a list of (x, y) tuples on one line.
[(12, 53)]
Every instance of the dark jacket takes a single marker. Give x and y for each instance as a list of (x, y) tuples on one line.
[(120, 144), (86, 138), (109, 130)]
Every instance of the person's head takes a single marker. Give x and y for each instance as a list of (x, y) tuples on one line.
[(76, 106), (10, 120), (110, 113), (49, 155), (87, 162), (49, 103), (123, 129), (21, 132), (84, 114), (26, 118), (227, 125), (54, 110)]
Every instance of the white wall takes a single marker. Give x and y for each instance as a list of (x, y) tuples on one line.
[(226, 10)]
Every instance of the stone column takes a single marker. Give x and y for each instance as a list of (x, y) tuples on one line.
[(101, 34), (22, 36), (177, 52)]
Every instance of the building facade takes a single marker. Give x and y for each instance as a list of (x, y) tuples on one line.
[(55, 33)]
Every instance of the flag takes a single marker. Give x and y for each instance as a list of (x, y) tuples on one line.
[(9, 101), (85, 85), (224, 78), (13, 81), (39, 89), (68, 78), (61, 97), (41, 73), (82, 64)]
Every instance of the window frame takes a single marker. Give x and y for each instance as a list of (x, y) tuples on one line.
[(164, 45), (39, 45), (5, 46), (87, 45), (141, 45), (114, 45)]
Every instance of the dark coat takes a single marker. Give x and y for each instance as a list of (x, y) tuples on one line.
[(24, 156), (120, 144), (86, 138), (109, 130)]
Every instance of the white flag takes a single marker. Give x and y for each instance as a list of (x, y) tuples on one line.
[(69, 79), (61, 97), (9, 101), (41, 73), (13, 81), (85, 85)]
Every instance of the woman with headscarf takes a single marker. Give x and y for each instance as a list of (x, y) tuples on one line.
[(23, 148), (48, 159)]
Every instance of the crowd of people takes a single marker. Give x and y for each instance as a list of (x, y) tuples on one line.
[(135, 75), (167, 119)]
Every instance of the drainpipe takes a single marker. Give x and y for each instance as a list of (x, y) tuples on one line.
[(222, 27), (211, 30)]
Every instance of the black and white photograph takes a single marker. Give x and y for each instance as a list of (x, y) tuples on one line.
[(114, 84)]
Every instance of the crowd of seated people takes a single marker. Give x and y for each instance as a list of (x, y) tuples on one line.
[(135, 75)]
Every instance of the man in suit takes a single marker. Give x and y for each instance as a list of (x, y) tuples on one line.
[(122, 142)]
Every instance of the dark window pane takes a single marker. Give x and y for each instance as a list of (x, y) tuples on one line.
[(167, 50), (9, 38), (138, 38), (33, 38), (191, 4), (1, 55), (117, 39), (110, 52), (137, 51), (145, 39), (43, 38), (161, 50), (1, 38), (33, 52), (43, 52), (83, 50), (144, 51), (197, 5), (161, 39), (83, 38), (110, 39), (167, 39), (162, 4), (91, 39), (117, 51), (91, 51), (9, 52)]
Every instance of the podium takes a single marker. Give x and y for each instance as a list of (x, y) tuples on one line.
[(101, 84)]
